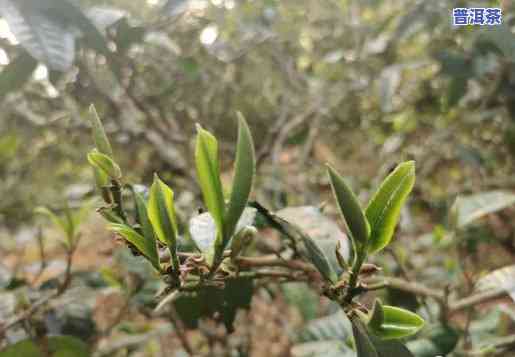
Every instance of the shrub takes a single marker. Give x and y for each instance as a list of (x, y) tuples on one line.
[(222, 234)]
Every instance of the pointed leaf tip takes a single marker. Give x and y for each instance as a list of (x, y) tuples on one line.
[(146, 246), (99, 136), (208, 173), (104, 163), (240, 116), (377, 315), (350, 209), (142, 216), (244, 170), (363, 343), (390, 322), (161, 212), (369, 345)]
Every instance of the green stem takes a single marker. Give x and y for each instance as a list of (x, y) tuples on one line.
[(175, 261), (353, 279), (116, 191), (217, 260)]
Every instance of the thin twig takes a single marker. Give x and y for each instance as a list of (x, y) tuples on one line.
[(479, 298), (273, 261), (419, 289)]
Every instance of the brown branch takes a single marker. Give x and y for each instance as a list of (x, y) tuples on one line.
[(273, 261), (375, 283), (252, 262), (439, 296), (404, 285), (479, 298)]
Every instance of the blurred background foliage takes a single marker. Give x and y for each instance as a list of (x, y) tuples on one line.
[(393, 79), (361, 84)]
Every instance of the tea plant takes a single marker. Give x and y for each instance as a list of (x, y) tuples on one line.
[(222, 234)]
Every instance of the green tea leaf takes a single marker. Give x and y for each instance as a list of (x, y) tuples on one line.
[(209, 300), (110, 215), (318, 258), (377, 315), (161, 213), (208, 171), (142, 216), (146, 246), (350, 210), (101, 178), (326, 233), (104, 163), (384, 208), (243, 177), (310, 249), (364, 346), (368, 345), (99, 136), (389, 322), (390, 348)]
